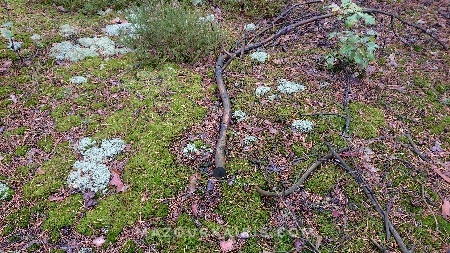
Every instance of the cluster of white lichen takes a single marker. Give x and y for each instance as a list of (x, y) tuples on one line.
[(68, 30), (288, 87), (4, 191), (77, 80), (196, 2), (302, 126), (262, 90), (190, 149), (259, 56), (250, 27), (91, 174), (249, 140), (207, 19), (239, 115), (119, 29)]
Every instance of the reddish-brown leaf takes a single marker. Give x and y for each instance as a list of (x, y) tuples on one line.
[(99, 241), (117, 182), (446, 209), (226, 246)]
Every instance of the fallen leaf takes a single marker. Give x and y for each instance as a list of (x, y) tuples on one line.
[(446, 209), (55, 198), (115, 21), (210, 185), (99, 241), (436, 148), (244, 235), (13, 98), (40, 171), (193, 182), (436, 169), (335, 214), (226, 246), (115, 181), (194, 209)]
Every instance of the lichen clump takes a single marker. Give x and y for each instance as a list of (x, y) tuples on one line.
[(288, 87), (259, 56), (190, 149), (4, 191), (91, 174), (118, 29), (239, 115), (250, 27), (249, 140), (302, 126), (262, 90), (86, 47), (209, 18), (67, 30), (78, 80)]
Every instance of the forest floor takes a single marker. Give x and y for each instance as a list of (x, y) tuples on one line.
[(162, 197)]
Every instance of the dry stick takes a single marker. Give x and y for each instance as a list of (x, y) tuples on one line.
[(416, 149), (367, 10), (369, 193), (300, 182)]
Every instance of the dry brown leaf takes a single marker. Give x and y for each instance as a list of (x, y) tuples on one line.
[(117, 182), (446, 209), (193, 182), (438, 171), (226, 246), (40, 171), (99, 241), (55, 198)]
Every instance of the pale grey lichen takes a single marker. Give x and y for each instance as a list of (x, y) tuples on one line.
[(190, 149), (103, 13), (259, 56), (4, 191), (209, 18), (196, 2), (112, 147), (91, 174), (118, 29), (250, 27), (35, 37), (67, 30), (78, 80), (86, 47), (302, 126), (14, 45), (239, 115), (249, 140), (288, 87), (84, 144), (85, 250), (262, 90)]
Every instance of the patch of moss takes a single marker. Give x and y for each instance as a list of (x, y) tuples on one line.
[(56, 171), (129, 247), (62, 214), (21, 150), (366, 120), (46, 143), (64, 120), (322, 180)]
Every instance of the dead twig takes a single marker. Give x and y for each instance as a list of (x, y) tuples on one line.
[(299, 182), (394, 16), (416, 149), (371, 196)]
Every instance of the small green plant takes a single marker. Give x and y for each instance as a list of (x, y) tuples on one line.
[(172, 32), (354, 47), (5, 30)]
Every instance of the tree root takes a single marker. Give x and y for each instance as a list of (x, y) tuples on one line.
[(371, 196), (300, 182)]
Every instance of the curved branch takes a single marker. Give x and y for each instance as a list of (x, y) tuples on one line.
[(300, 182), (406, 23)]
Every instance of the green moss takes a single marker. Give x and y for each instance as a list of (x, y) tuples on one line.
[(327, 227), (323, 179), (56, 171), (62, 214), (64, 120), (242, 209), (366, 120), (22, 172), (440, 126), (129, 247), (21, 150), (46, 143)]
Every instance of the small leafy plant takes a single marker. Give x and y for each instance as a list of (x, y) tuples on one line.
[(354, 47)]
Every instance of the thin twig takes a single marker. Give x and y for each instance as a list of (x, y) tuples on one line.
[(416, 149)]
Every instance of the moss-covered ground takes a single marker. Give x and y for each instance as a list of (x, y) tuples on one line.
[(171, 202)]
